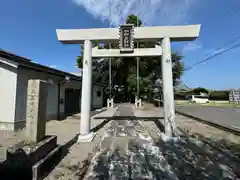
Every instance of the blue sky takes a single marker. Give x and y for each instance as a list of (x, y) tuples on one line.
[(28, 28)]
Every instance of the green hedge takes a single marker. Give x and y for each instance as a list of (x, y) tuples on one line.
[(214, 95), (219, 95)]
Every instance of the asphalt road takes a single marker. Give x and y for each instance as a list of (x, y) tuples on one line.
[(227, 117)]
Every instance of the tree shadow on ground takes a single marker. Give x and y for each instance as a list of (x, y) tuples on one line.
[(99, 126), (196, 157), (131, 118), (78, 116)]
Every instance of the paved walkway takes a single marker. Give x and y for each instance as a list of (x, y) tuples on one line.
[(127, 152)]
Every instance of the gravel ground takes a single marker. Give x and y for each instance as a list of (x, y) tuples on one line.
[(65, 130), (77, 156), (74, 165), (204, 152), (7, 139)]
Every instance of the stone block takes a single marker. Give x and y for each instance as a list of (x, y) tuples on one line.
[(31, 153), (36, 110), (31, 161), (43, 167)]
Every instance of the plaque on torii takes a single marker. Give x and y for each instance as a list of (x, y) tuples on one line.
[(126, 38)]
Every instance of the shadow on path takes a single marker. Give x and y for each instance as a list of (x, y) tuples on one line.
[(196, 157), (128, 118)]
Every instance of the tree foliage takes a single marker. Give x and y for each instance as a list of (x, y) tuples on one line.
[(200, 90), (124, 70)]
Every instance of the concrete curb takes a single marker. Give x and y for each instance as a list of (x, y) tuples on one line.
[(224, 128)]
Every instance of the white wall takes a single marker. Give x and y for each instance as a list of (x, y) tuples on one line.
[(8, 83), (52, 102), (13, 93)]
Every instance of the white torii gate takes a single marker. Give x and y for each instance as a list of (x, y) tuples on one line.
[(163, 34)]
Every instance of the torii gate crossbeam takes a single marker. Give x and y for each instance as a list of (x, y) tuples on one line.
[(163, 34)]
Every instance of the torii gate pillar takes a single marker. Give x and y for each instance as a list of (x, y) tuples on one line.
[(168, 95), (85, 134)]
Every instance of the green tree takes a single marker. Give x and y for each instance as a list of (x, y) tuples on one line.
[(200, 90), (132, 19), (124, 70)]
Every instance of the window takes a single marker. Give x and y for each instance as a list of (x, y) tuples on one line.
[(200, 97)]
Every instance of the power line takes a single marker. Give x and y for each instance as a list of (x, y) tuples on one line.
[(213, 56), (224, 45), (230, 42), (225, 15)]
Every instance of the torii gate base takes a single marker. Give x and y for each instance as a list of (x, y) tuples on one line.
[(138, 102), (110, 103), (159, 34)]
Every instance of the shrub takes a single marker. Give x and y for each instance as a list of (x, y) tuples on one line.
[(219, 95)]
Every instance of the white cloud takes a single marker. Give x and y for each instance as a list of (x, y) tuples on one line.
[(191, 46), (53, 66), (151, 12)]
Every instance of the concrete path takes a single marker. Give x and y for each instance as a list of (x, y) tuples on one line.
[(227, 117), (127, 152)]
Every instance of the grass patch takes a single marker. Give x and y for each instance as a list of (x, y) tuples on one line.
[(211, 104), (182, 102), (222, 105)]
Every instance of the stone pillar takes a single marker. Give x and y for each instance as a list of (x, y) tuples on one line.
[(168, 96), (85, 134), (36, 110)]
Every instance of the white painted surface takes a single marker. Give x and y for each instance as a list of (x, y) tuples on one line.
[(168, 96), (21, 99), (52, 100), (13, 93), (86, 89), (156, 33), (141, 52), (8, 85)]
